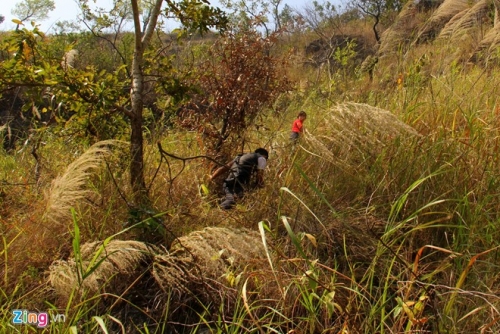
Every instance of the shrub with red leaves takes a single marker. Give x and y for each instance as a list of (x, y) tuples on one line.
[(238, 81)]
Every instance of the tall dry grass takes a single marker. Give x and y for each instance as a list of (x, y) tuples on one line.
[(72, 185), (440, 17), (487, 50), (462, 22), (38, 224), (426, 185), (208, 265), (398, 34), (384, 217), (110, 270)]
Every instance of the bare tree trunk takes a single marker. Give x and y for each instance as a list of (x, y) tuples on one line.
[(376, 14), (136, 94), (136, 138)]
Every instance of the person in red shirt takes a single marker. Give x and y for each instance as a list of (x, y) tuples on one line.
[(297, 127)]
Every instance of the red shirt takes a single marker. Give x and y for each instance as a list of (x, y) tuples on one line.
[(297, 125)]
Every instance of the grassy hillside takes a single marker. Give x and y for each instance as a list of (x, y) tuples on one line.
[(383, 219)]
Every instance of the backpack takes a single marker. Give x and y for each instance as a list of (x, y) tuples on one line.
[(244, 166)]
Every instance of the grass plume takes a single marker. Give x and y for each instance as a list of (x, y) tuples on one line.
[(357, 127), (118, 266), (462, 22), (69, 188), (441, 16), (207, 254), (487, 48), (399, 31)]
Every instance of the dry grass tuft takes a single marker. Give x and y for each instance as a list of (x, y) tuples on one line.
[(357, 129), (123, 262), (205, 256), (69, 188), (399, 31), (448, 9), (496, 20), (463, 21), (196, 262), (446, 12), (488, 47)]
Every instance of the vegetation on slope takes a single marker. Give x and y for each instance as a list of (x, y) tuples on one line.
[(384, 219)]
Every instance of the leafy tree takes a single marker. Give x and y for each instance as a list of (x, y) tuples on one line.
[(146, 18), (33, 9), (195, 15), (246, 13), (320, 17), (85, 91), (286, 17), (53, 88), (2, 18)]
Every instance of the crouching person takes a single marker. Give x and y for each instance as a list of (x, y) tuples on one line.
[(243, 170)]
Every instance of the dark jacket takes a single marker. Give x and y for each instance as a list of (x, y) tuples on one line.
[(243, 167)]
